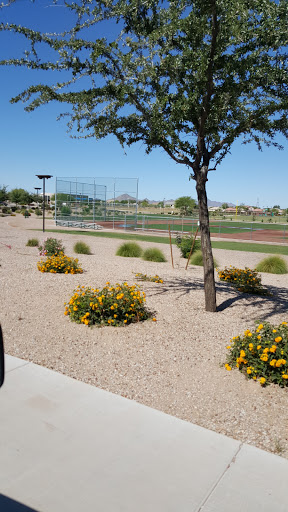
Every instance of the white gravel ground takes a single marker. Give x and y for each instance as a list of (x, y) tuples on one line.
[(174, 364)]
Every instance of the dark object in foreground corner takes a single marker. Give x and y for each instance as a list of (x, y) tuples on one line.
[(9, 505), (2, 365)]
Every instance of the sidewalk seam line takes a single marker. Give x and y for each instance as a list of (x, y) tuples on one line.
[(16, 368), (232, 461)]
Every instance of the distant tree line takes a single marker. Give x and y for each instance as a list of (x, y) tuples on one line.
[(19, 196)]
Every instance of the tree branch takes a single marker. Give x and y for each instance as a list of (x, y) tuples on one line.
[(162, 143)]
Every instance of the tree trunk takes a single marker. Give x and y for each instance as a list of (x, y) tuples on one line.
[(209, 280)]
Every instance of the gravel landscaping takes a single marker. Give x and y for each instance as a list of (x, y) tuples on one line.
[(175, 364)]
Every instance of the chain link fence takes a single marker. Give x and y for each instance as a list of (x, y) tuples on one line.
[(238, 230), (96, 202)]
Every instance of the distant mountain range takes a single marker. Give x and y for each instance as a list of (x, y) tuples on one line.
[(126, 197), (216, 203)]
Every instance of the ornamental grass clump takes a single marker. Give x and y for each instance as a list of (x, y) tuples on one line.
[(115, 305), (272, 265), (154, 254), (51, 246), (32, 242), (144, 277), (261, 354), (129, 250), (60, 264), (245, 280), (197, 259), (81, 248)]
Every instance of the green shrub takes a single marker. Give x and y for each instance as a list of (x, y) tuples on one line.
[(32, 242), (82, 248), (113, 305), (185, 243), (65, 210), (197, 259), (38, 212), (245, 280), (51, 246), (153, 254), (60, 264), (272, 265), (129, 250), (261, 354)]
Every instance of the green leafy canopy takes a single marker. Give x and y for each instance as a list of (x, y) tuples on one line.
[(188, 76)]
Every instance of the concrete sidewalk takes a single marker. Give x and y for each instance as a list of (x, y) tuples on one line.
[(68, 446)]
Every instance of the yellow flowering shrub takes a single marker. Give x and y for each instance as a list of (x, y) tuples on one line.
[(145, 277), (245, 280), (113, 305), (261, 354), (60, 264)]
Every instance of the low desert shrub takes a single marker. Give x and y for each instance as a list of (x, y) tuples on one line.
[(185, 243), (60, 264), (153, 254), (245, 280), (129, 250), (261, 354), (145, 277), (51, 246), (113, 305), (82, 248), (38, 212), (272, 265), (197, 259), (32, 242)]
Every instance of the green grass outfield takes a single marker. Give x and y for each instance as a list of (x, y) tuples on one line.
[(221, 226), (232, 246)]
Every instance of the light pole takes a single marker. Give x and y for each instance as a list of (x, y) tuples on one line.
[(37, 191), (43, 177)]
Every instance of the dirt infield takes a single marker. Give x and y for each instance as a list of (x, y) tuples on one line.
[(263, 235)]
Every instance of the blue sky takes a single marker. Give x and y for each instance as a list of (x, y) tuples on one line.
[(33, 143)]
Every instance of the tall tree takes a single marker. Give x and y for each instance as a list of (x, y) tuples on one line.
[(186, 204), (20, 196), (4, 195), (144, 204), (187, 76)]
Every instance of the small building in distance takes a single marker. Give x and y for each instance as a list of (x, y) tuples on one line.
[(244, 210)]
